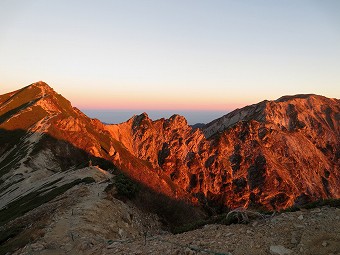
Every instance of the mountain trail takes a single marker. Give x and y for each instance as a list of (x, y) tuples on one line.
[(85, 225)]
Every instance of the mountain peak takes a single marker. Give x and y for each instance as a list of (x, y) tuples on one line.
[(292, 97), (176, 116), (43, 86), (41, 83), (35, 101), (281, 112), (139, 119), (178, 120)]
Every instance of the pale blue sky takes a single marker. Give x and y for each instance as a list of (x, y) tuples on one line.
[(177, 54)]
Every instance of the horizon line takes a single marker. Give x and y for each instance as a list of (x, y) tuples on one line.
[(159, 109)]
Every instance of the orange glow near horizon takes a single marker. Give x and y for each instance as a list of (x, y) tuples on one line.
[(159, 101), (130, 104)]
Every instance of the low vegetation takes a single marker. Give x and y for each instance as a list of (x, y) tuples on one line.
[(179, 216), (332, 202), (125, 187), (173, 213), (244, 216)]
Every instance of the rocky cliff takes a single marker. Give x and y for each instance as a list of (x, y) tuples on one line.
[(272, 154)]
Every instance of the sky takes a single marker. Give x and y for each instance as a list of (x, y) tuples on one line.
[(197, 57)]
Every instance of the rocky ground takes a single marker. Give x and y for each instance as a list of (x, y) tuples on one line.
[(315, 231), (81, 221)]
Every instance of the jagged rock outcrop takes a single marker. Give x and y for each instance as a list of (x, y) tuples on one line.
[(272, 154), (286, 150)]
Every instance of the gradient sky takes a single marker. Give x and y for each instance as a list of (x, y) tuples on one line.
[(171, 55)]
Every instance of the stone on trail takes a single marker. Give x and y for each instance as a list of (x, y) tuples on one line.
[(279, 250)]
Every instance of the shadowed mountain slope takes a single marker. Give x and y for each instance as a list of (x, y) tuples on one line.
[(271, 154), (43, 138)]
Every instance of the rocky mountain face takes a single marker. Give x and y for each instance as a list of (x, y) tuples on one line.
[(272, 154), (56, 165), (52, 181), (43, 136)]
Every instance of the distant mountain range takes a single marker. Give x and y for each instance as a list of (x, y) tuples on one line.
[(271, 155)]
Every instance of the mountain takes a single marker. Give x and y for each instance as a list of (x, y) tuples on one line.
[(57, 165), (286, 150), (272, 154), (42, 134)]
